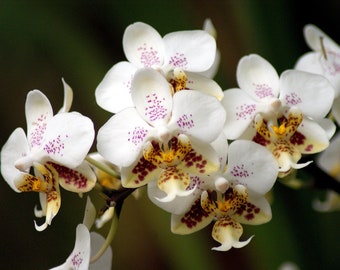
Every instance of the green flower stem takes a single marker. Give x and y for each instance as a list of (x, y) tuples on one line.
[(109, 238), (102, 166)]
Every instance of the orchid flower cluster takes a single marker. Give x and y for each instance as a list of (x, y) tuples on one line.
[(206, 155)]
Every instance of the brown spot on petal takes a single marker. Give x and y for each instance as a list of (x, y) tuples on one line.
[(194, 215), (71, 177)]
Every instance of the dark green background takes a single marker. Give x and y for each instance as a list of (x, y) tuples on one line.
[(42, 41)]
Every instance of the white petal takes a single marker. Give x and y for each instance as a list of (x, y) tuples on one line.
[(241, 110), (252, 165), (121, 139), (143, 46), (209, 27), (68, 138), (311, 93), (190, 50), (220, 145), (328, 126), (257, 77), (38, 112), (15, 148), (204, 85), (151, 94), (316, 63), (105, 260), (90, 214), (68, 97), (313, 35), (197, 114), (329, 160), (80, 256), (310, 62), (114, 91), (212, 71), (310, 138)]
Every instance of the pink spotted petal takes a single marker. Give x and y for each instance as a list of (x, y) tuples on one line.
[(198, 115), (114, 91), (14, 149), (251, 165), (241, 110), (80, 179), (228, 232), (190, 50), (257, 77), (192, 220), (151, 94), (201, 160), (38, 112), (68, 138), (80, 256), (143, 46), (120, 140), (303, 89), (314, 62)]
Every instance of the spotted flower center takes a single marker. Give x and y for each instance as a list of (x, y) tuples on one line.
[(37, 184), (179, 80), (167, 154), (280, 130), (227, 203)]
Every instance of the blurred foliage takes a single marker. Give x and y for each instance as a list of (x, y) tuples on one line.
[(43, 41)]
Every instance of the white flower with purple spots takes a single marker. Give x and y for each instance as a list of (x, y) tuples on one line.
[(323, 60), (232, 197), (263, 91), (55, 146), (189, 51), (86, 245), (161, 130)]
